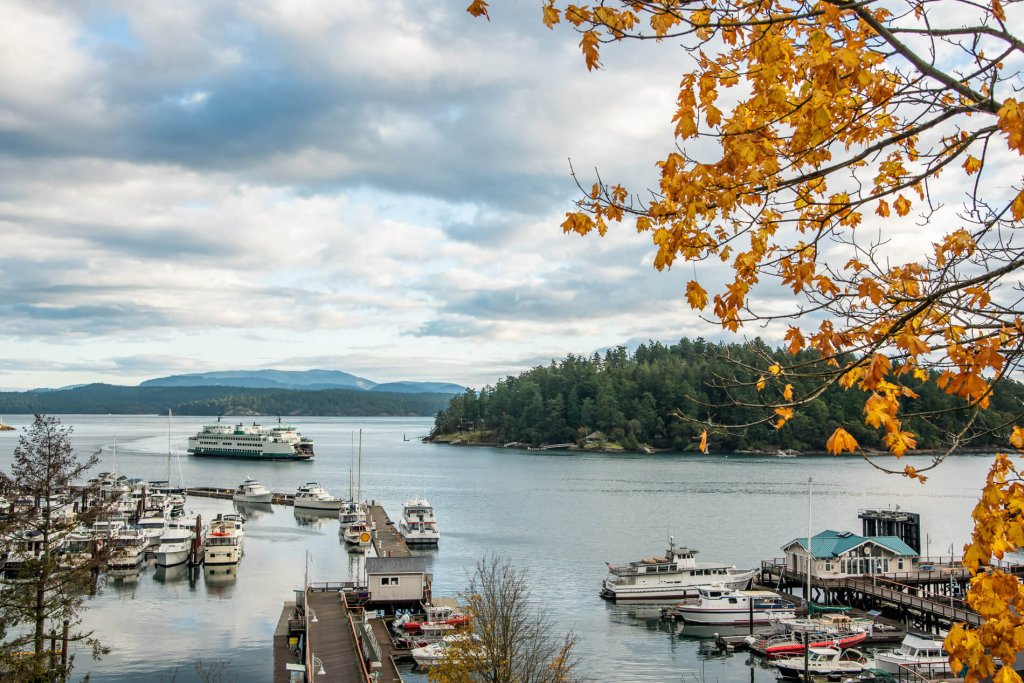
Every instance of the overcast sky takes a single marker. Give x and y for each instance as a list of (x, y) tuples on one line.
[(374, 187)]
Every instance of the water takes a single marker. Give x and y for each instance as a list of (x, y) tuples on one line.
[(560, 516)]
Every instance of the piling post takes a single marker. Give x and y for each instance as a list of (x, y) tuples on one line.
[(64, 652)]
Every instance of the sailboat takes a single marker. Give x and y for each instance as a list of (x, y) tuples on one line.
[(175, 494), (353, 511)]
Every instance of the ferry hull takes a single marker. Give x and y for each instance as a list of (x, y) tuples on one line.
[(208, 453)]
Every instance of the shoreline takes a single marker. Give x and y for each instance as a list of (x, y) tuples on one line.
[(649, 450)]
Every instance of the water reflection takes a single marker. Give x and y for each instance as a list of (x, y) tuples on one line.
[(315, 519), (171, 574), (220, 579), (252, 511)]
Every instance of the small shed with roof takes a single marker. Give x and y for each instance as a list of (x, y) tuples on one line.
[(838, 554), (397, 580)]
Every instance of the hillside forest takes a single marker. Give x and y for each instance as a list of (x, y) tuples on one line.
[(663, 397)]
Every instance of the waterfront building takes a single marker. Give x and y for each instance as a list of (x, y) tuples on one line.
[(838, 554)]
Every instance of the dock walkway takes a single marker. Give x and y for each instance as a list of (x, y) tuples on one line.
[(387, 541), (330, 640)]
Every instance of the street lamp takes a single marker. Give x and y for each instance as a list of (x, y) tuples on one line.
[(318, 662), (311, 615)]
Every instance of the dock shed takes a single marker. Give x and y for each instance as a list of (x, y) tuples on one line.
[(397, 580)]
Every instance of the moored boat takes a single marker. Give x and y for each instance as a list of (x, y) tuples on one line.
[(223, 543), (418, 525), (252, 491), (923, 651), (719, 605), (359, 535), (312, 496), (674, 576), (822, 661)]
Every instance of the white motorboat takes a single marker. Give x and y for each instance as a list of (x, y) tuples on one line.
[(176, 543), (718, 605), (128, 550), (312, 496), (822, 661), (432, 654), (676, 575), (252, 491), (359, 534), (418, 525), (922, 651), (223, 544), (153, 524)]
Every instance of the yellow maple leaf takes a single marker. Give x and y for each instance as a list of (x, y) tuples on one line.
[(912, 473), (589, 44), (478, 8), (1017, 438), (696, 295), (1017, 207), (900, 442), (551, 15), (775, 369), (796, 340), (902, 205), (787, 393), (760, 383), (972, 165), (841, 441)]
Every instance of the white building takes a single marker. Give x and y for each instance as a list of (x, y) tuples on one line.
[(397, 579)]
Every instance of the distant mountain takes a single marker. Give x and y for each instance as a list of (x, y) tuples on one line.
[(309, 380), (420, 388)]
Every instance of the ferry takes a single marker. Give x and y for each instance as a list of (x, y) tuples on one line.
[(253, 442)]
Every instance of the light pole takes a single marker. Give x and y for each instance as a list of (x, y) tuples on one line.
[(317, 662)]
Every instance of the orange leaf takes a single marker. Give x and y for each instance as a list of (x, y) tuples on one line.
[(972, 165), (787, 393), (1017, 438), (902, 205), (760, 383), (589, 44), (478, 8), (796, 340), (912, 473), (1017, 208), (551, 15), (841, 442), (704, 441), (696, 295)]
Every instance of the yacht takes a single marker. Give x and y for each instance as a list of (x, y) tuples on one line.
[(252, 491), (359, 535), (312, 496), (418, 525), (676, 575), (253, 442), (153, 524), (923, 651), (176, 543), (223, 543), (822, 661), (718, 605), (128, 549)]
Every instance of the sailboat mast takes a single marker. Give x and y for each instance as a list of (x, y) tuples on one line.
[(360, 475), (168, 446)]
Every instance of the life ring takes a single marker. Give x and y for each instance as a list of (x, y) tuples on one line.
[(364, 537)]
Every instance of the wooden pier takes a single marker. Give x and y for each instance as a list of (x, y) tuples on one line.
[(225, 494), (927, 599), (386, 539)]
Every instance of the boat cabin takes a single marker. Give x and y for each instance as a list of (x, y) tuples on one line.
[(397, 580), (839, 554)]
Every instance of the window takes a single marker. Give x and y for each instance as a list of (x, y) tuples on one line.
[(389, 580)]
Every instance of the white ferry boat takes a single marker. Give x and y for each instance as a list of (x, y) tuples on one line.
[(718, 605), (253, 442), (418, 525), (674, 576)]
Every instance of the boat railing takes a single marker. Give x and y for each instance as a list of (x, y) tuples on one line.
[(333, 586)]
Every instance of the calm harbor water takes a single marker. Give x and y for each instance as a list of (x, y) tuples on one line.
[(560, 516)]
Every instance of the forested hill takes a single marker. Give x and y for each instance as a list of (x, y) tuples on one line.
[(632, 400), (219, 400)]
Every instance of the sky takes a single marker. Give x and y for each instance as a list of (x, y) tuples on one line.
[(373, 187)]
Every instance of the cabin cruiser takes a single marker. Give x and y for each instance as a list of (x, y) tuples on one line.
[(418, 525), (223, 543), (430, 655), (128, 549), (153, 524), (822, 661), (252, 491), (674, 576), (718, 605), (359, 535), (176, 543), (312, 496), (923, 651)]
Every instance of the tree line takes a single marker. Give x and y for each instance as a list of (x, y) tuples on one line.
[(219, 400), (665, 396)]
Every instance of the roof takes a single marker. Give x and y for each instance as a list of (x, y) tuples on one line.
[(829, 544), (396, 565)]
